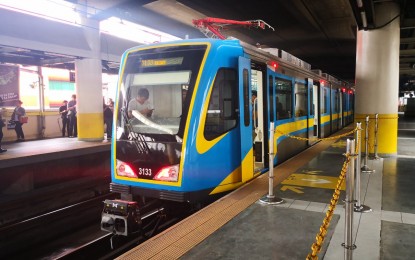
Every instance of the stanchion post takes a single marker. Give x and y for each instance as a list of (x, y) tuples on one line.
[(270, 198), (375, 156), (358, 207), (366, 168), (348, 213)]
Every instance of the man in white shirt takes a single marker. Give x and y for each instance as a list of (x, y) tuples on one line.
[(141, 104)]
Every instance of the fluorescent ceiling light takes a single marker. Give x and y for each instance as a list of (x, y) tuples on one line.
[(56, 10), (134, 32)]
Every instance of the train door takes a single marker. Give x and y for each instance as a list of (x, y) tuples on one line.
[(312, 121), (258, 119), (245, 120), (314, 111), (324, 113)]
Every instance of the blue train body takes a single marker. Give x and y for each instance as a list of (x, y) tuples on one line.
[(207, 135)]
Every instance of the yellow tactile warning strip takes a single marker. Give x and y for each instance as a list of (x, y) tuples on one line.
[(180, 238)]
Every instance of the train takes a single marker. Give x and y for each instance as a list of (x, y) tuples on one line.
[(207, 134)]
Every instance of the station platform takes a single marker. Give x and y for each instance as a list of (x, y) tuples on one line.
[(35, 164), (240, 226), (35, 151)]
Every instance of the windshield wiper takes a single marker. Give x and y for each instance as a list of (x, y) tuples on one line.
[(139, 141)]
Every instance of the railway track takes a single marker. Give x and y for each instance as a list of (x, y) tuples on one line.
[(109, 246), (17, 207), (73, 232), (32, 237)]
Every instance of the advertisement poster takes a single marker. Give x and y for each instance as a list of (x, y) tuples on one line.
[(9, 84)]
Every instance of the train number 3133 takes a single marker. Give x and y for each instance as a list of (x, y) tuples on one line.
[(144, 171)]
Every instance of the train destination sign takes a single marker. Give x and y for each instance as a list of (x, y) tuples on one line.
[(161, 62)]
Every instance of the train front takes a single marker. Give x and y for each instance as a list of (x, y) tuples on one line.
[(153, 104)]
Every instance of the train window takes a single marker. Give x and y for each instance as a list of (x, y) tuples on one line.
[(300, 100), (283, 98), (221, 115), (271, 98), (324, 101), (311, 102), (247, 101), (336, 107)]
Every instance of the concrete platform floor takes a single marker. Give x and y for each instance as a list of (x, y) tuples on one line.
[(287, 231)]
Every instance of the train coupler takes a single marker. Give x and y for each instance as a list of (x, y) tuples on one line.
[(121, 217)]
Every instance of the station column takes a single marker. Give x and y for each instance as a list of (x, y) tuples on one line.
[(377, 78), (88, 77)]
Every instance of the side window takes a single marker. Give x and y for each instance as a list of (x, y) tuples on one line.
[(284, 98), (324, 101), (247, 103), (310, 101), (336, 101), (271, 99), (221, 114), (300, 100)]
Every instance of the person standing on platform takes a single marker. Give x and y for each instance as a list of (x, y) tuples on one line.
[(2, 124), (63, 111), (18, 112), (108, 118), (73, 128)]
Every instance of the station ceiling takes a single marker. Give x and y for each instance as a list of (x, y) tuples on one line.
[(320, 32)]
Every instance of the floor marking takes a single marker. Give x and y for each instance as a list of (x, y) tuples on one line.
[(292, 188), (311, 171), (315, 181), (339, 144)]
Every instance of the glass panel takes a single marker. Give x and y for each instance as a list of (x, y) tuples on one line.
[(300, 100), (284, 98), (271, 99), (311, 101), (221, 116), (156, 89), (247, 102), (336, 102), (324, 101)]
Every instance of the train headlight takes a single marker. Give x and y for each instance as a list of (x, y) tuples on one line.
[(123, 169), (169, 173)]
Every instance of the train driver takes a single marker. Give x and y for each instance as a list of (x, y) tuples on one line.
[(141, 104)]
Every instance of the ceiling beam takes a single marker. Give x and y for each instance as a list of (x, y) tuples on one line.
[(408, 40), (407, 52)]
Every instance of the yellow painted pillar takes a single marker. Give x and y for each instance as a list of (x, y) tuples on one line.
[(377, 79), (88, 77), (89, 100)]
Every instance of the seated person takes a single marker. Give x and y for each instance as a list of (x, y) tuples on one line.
[(141, 104)]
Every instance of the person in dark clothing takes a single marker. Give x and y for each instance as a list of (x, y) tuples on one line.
[(18, 112), (63, 111), (108, 113), (2, 124), (73, 128)]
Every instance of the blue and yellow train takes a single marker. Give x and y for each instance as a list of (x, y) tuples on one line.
[(208, 133)]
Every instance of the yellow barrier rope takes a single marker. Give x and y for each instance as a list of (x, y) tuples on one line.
[(380, 118), (317, 139), (316, 247)]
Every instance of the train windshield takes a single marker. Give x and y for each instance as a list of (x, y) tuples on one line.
[(156, 88)]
